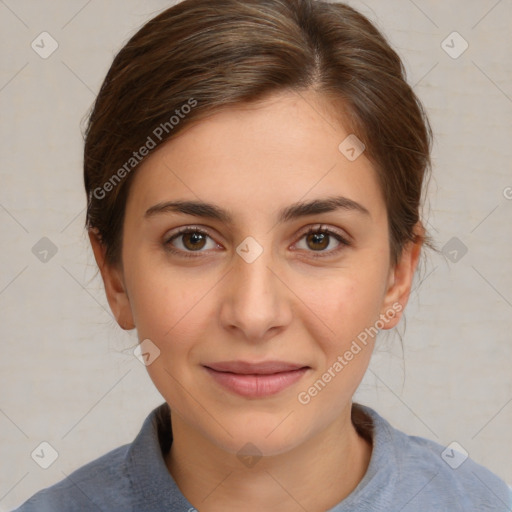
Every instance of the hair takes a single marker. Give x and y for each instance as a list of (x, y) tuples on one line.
[(200, 57)]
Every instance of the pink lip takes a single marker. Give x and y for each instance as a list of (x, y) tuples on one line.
[(256, 380)]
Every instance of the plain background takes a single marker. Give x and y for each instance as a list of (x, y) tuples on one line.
[(68, 373)]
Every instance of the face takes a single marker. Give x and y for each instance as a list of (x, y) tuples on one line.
[(264, 330)]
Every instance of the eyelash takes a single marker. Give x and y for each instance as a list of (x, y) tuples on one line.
[(319, 229)]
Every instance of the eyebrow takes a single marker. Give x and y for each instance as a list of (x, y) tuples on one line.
[(292, 212)]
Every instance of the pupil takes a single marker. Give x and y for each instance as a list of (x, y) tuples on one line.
[(194, 238), (318, 238)]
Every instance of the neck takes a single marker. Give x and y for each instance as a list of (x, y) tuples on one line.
[(314, 476)]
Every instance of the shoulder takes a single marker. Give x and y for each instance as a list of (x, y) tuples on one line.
[(132, 477), (427, 473), (102, 482), (448, 474)]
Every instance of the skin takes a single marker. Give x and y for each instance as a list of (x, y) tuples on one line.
[(286, 305)]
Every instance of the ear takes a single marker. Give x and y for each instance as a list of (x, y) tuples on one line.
[(114, 284), (400, 280)]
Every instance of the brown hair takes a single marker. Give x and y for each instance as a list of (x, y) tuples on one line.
[(199, 57)]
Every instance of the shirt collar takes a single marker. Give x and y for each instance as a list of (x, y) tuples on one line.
[(150, 477), (147, 470)]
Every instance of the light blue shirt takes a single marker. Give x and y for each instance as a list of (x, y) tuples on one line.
[(405, 474)]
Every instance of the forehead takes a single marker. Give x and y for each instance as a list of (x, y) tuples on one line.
[(258, 156)]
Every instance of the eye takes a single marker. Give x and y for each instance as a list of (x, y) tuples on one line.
[(319, 238), (191, 239)]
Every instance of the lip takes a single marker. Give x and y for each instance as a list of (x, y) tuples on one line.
[(256, 380)]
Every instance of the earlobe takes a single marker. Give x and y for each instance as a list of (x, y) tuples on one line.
[(113, 282), (401, 278)]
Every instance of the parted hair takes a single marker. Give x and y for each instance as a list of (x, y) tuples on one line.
[(199, 57)]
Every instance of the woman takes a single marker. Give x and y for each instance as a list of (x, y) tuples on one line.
[(254, 172)]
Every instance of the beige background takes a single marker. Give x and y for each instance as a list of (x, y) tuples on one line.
[(68, 374)]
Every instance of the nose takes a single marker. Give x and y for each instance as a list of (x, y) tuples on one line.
[(255, 301)]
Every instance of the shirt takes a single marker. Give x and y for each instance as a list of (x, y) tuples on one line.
[(406, 473)]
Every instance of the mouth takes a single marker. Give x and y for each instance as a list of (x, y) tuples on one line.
[(256, 380)]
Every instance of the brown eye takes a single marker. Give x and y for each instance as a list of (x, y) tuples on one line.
[(193, 240), (319, 239), (189, 240)]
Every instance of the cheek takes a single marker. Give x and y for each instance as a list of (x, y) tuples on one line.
[(170, 305), (349, 306), (346, 304)]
